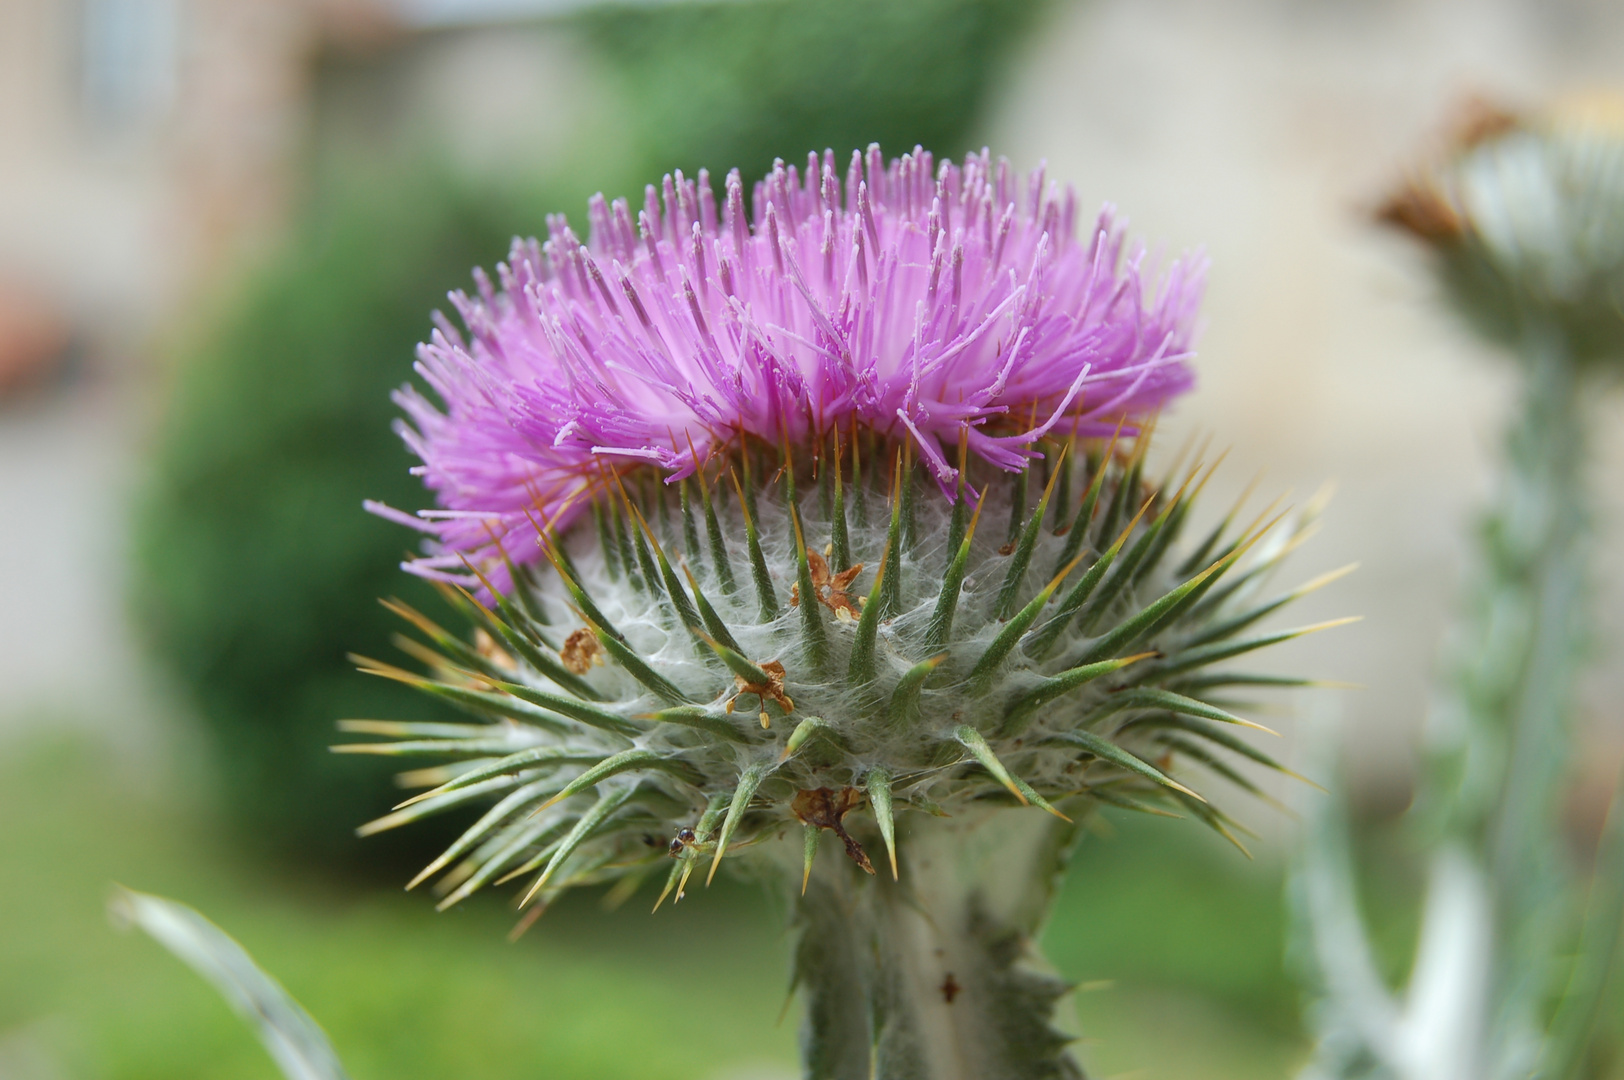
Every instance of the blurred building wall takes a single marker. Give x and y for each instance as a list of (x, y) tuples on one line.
[(145, 140), (1263, 130), (146, 144), (150, 150)]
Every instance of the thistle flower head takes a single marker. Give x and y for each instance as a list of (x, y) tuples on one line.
[(774, 620), (920, 303)]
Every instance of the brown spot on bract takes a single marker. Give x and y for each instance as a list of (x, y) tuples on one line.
[(831, 588), (581, 650), (773, 688), (827, 809), (950, 988)]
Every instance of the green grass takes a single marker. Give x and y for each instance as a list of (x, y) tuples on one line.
[(1187, 932)]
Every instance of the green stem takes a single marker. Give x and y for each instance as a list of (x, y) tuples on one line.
[(1498, 745), (932, 977), (1500, 753)]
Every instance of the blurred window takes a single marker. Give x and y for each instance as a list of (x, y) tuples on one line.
[(128, 55)]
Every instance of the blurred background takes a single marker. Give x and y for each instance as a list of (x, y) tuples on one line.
[(223, 224)]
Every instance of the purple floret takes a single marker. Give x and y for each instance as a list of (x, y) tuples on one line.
[(914, 302)]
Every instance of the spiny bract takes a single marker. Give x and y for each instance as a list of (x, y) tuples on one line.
[(724, 661)]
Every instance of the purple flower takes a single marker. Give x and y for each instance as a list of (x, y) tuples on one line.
[(919, 303)]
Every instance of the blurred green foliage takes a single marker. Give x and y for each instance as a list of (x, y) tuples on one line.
[(1187, 931), (256, 568), (738, 84)]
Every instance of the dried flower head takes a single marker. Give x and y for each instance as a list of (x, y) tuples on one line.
[(1527, 215)]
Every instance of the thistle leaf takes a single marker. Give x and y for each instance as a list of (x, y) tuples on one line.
[(1022, 556), (1189, 659), (810, 835), (758, 561), (454, 647), (1125, 570), (677, 869), (398, 728), (496, 744), (861, 671), (1150, 618), (878, 787), (649, 573), (941, 620), (1228, 740), (497, 855), (690, 525), (1017, 505), (1230, 627), (718, 545), (636, 667), (1041, 642), (634, 760), (910, 531), (713, 622), (1214, 819), (1077, 535), (697, 716), (673, 587), (812, 727), (1113, 754), (749, 780), (839, 539), (890, 596), (736, 663), (1150, 697), (1022, 707), (534, 758), (600, 525), (294, 1041), (583, 830), (583, 601), (528, 650), (812, 635), (1127, 488), (623, 546), (1127, 802), (981, 675), (1213, 763), (973, 741), (480, 701), (904, 707), (428, 807), (678, 878), (506, 808), (591, 715)]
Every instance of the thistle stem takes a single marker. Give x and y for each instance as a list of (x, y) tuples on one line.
[(1498, 745), (933, 977), (1535, 552)]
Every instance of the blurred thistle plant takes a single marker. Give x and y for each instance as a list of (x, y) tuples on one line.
[(830, 518), (1525, 219)]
